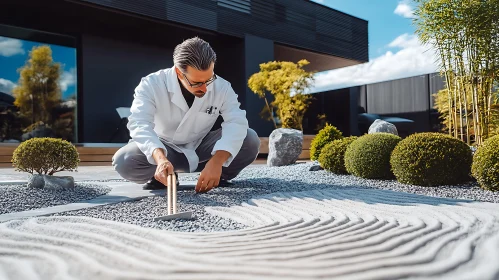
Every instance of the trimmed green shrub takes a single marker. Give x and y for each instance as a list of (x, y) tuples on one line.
[(325, 136), (431, 159), (369, 156), (332, 156), (45, 156), (485, 166)]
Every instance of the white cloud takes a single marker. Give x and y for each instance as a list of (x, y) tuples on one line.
[(405, 41), (404, 9), (67, 79), (6, 86), (10, 47), (411, 59)]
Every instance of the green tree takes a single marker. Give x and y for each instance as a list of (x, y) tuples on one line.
[(287, 82), (465, 35), (38, 90)]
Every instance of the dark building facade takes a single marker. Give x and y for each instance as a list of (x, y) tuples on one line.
[(117, 42)]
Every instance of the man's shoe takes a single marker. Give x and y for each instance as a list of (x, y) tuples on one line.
[(154, 184), (224, 183)]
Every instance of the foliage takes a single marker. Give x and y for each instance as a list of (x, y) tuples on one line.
[(431, 159), (287, 82), (38, 91), (10, 125), (465, 35), (45, 156), (326, 135), (441, 104), (322, 122), (369, 156), (332, 156), (485, 167)]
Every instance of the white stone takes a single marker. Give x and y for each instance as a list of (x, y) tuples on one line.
[(382, 126)]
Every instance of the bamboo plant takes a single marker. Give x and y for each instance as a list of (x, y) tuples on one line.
[(465, 36)]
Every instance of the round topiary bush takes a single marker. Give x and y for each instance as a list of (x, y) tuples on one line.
[(369, 156), (332, 156), (485, 166), (325, 136), (431, 159), (45, 156)]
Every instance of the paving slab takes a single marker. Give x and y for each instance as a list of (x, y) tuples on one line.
[(84, 173)]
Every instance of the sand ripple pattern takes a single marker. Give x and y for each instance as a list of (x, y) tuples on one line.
[(332, 234)]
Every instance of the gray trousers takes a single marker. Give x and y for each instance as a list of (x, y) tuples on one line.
[(132, 164)]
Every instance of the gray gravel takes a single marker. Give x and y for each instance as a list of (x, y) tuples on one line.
[(254, 182), (16, 198)]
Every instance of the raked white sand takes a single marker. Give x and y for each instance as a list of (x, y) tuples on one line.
[(333, 234)]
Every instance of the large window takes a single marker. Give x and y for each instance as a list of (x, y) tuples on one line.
[(38, 86)]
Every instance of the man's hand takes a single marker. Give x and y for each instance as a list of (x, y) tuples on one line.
[(210, 176), (164, 167)]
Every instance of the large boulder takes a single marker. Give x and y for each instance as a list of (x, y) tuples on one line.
[(382, 126), (285, 145), (49, 182)]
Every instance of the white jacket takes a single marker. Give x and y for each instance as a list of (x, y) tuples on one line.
[(159, 110)]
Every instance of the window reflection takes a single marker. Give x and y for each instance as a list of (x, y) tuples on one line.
[(38, 96)]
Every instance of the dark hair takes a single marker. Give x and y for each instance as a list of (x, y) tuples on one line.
[(194, 52)]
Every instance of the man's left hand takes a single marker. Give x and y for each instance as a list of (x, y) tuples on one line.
[(210, 176)]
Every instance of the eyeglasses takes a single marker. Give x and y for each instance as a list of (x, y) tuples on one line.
[(196, 85)]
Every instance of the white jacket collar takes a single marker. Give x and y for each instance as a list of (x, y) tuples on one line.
[(174, 87), (178, 98)]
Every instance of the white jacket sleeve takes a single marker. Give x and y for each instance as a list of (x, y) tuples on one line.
[(141, 121), (234, 126)]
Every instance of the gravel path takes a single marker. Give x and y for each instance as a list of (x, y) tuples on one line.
[(16, 198), (254, 182), (333, 233)]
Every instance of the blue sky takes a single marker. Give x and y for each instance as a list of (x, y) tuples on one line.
[(394, 49), (14, 53)]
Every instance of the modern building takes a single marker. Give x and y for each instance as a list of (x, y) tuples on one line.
[(117, 42), (409, 103)]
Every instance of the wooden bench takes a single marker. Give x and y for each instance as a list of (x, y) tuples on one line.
[(101, 154)]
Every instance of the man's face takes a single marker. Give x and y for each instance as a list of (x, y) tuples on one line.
[(193, 77)]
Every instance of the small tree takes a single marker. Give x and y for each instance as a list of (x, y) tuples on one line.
[(287, 82), (38, 91), (45, 155)]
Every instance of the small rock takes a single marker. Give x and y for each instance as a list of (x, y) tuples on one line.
[(50, 182), (285, 145), (382, 126), (316, 168), (36, 181), (59, 182)]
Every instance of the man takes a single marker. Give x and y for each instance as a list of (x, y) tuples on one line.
[(171, 117)]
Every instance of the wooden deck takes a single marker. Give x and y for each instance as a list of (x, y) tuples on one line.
[(101, 154)]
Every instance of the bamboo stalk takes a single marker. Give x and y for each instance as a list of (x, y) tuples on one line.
[(460, 111)]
